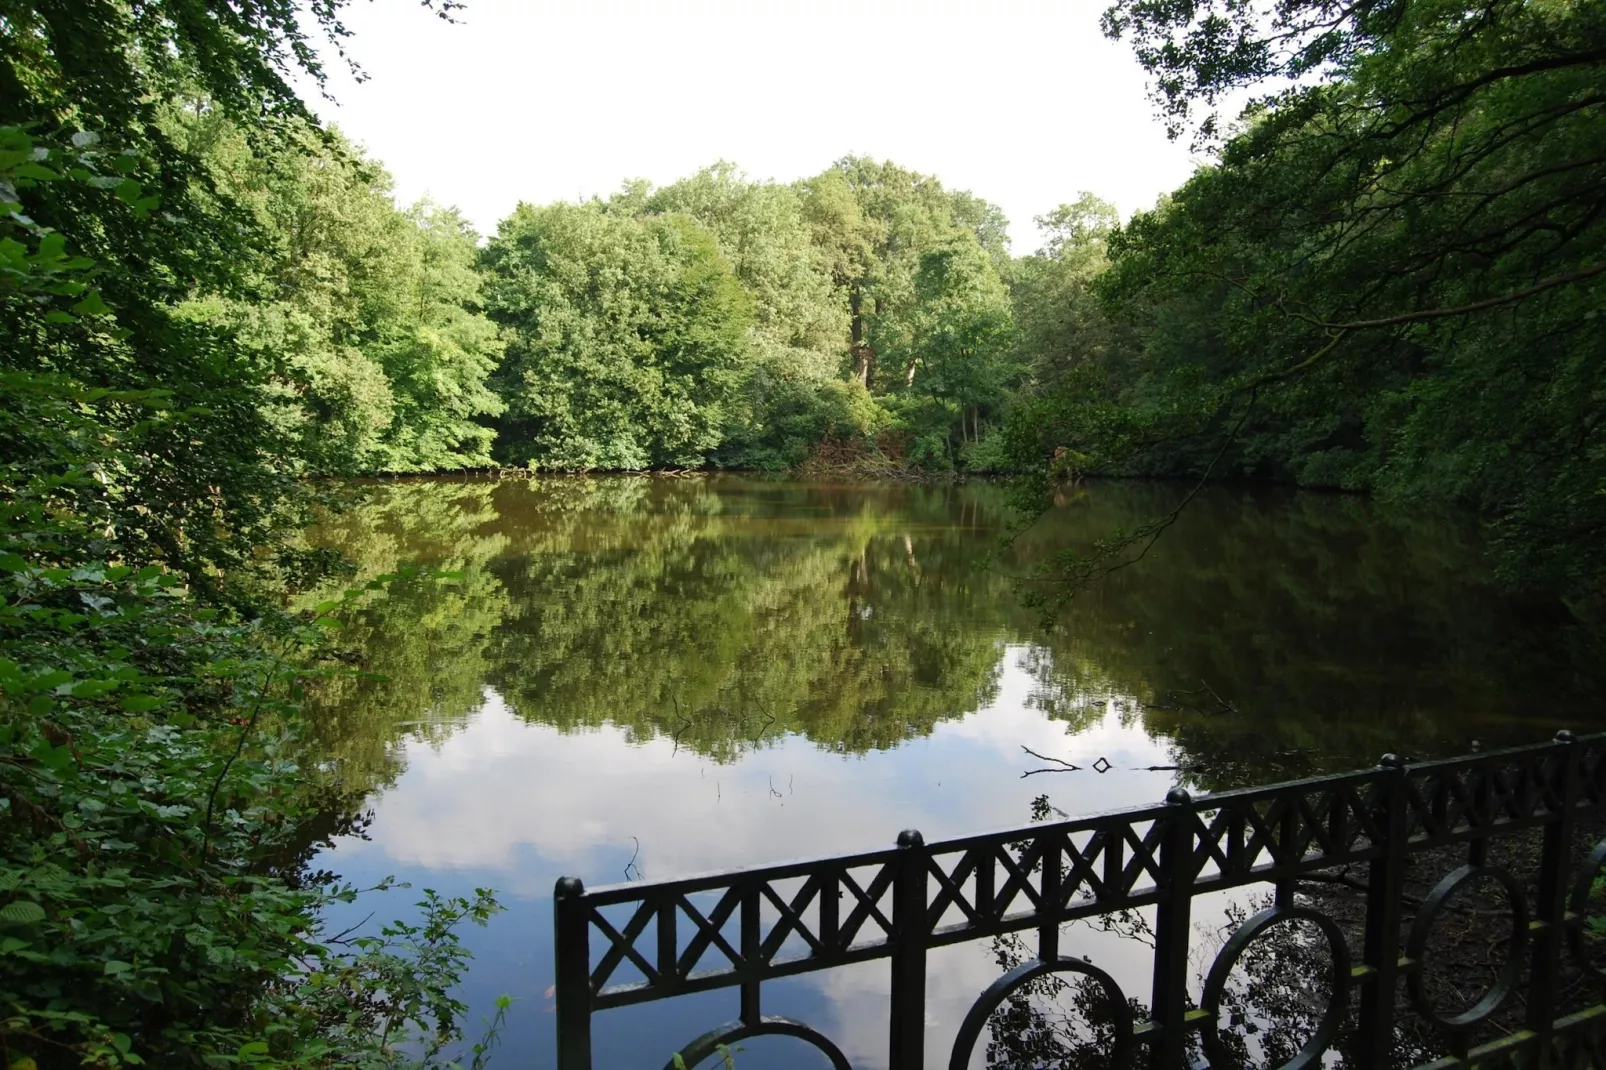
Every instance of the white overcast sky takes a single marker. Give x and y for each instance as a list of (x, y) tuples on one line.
[(1019, 101)]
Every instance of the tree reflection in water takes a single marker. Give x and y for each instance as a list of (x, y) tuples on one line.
[(727, 613)]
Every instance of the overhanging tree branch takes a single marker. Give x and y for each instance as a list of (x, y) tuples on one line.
[(1423, 315)]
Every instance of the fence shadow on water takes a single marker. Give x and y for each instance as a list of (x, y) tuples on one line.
[(639, 942)]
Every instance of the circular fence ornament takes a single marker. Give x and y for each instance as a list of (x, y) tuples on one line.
[(1337, 1004), (1516, 949), (1120, 1052), (771, 1025), (1578, 907)]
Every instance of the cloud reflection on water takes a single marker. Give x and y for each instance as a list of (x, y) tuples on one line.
[(517, 805)]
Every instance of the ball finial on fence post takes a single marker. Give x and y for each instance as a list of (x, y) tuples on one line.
[(571, 923), (906, 1041)]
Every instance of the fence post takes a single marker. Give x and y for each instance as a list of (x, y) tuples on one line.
[(1549, 935), (1172, 928), (1048, 932), (752, 953), (572, 945), (906, 1048), (1385, 884)]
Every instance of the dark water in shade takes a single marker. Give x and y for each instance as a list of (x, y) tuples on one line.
[(646, 677)]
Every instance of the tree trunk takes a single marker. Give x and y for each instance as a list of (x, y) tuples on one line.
[(863, 354)]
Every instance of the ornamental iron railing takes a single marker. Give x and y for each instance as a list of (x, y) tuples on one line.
[(898, 904)]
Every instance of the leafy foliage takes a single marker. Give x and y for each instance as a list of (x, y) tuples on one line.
[(627, 338), (154, 901), (794, 394), (156, 908), (930, 327), (367, 315), (1388, 281)]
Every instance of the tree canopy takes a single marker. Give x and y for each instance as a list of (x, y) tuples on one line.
[(627, 338)]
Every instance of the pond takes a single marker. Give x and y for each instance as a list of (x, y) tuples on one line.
[(640, 678)]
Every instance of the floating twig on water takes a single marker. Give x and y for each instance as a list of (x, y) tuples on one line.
[(1064, 766)]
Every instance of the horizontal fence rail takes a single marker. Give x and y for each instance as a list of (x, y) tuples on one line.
[(751, 926)]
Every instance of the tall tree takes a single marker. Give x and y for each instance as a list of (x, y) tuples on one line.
[(958, 365), (1059, 318), (626, 338), (795, 395), (366, 315), (875, 222), (154, 852), (761, 230)]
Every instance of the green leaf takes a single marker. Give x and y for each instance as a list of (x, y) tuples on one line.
[(116, 968), (92, 305), (91, 688), (35, 171), (22, 912), (56, 759)]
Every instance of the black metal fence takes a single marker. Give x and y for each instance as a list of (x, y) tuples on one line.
[(898, 904)]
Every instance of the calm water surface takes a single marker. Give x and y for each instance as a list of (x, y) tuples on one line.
[(646, 678)]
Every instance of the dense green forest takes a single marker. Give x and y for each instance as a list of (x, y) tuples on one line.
[(1387, 277)]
